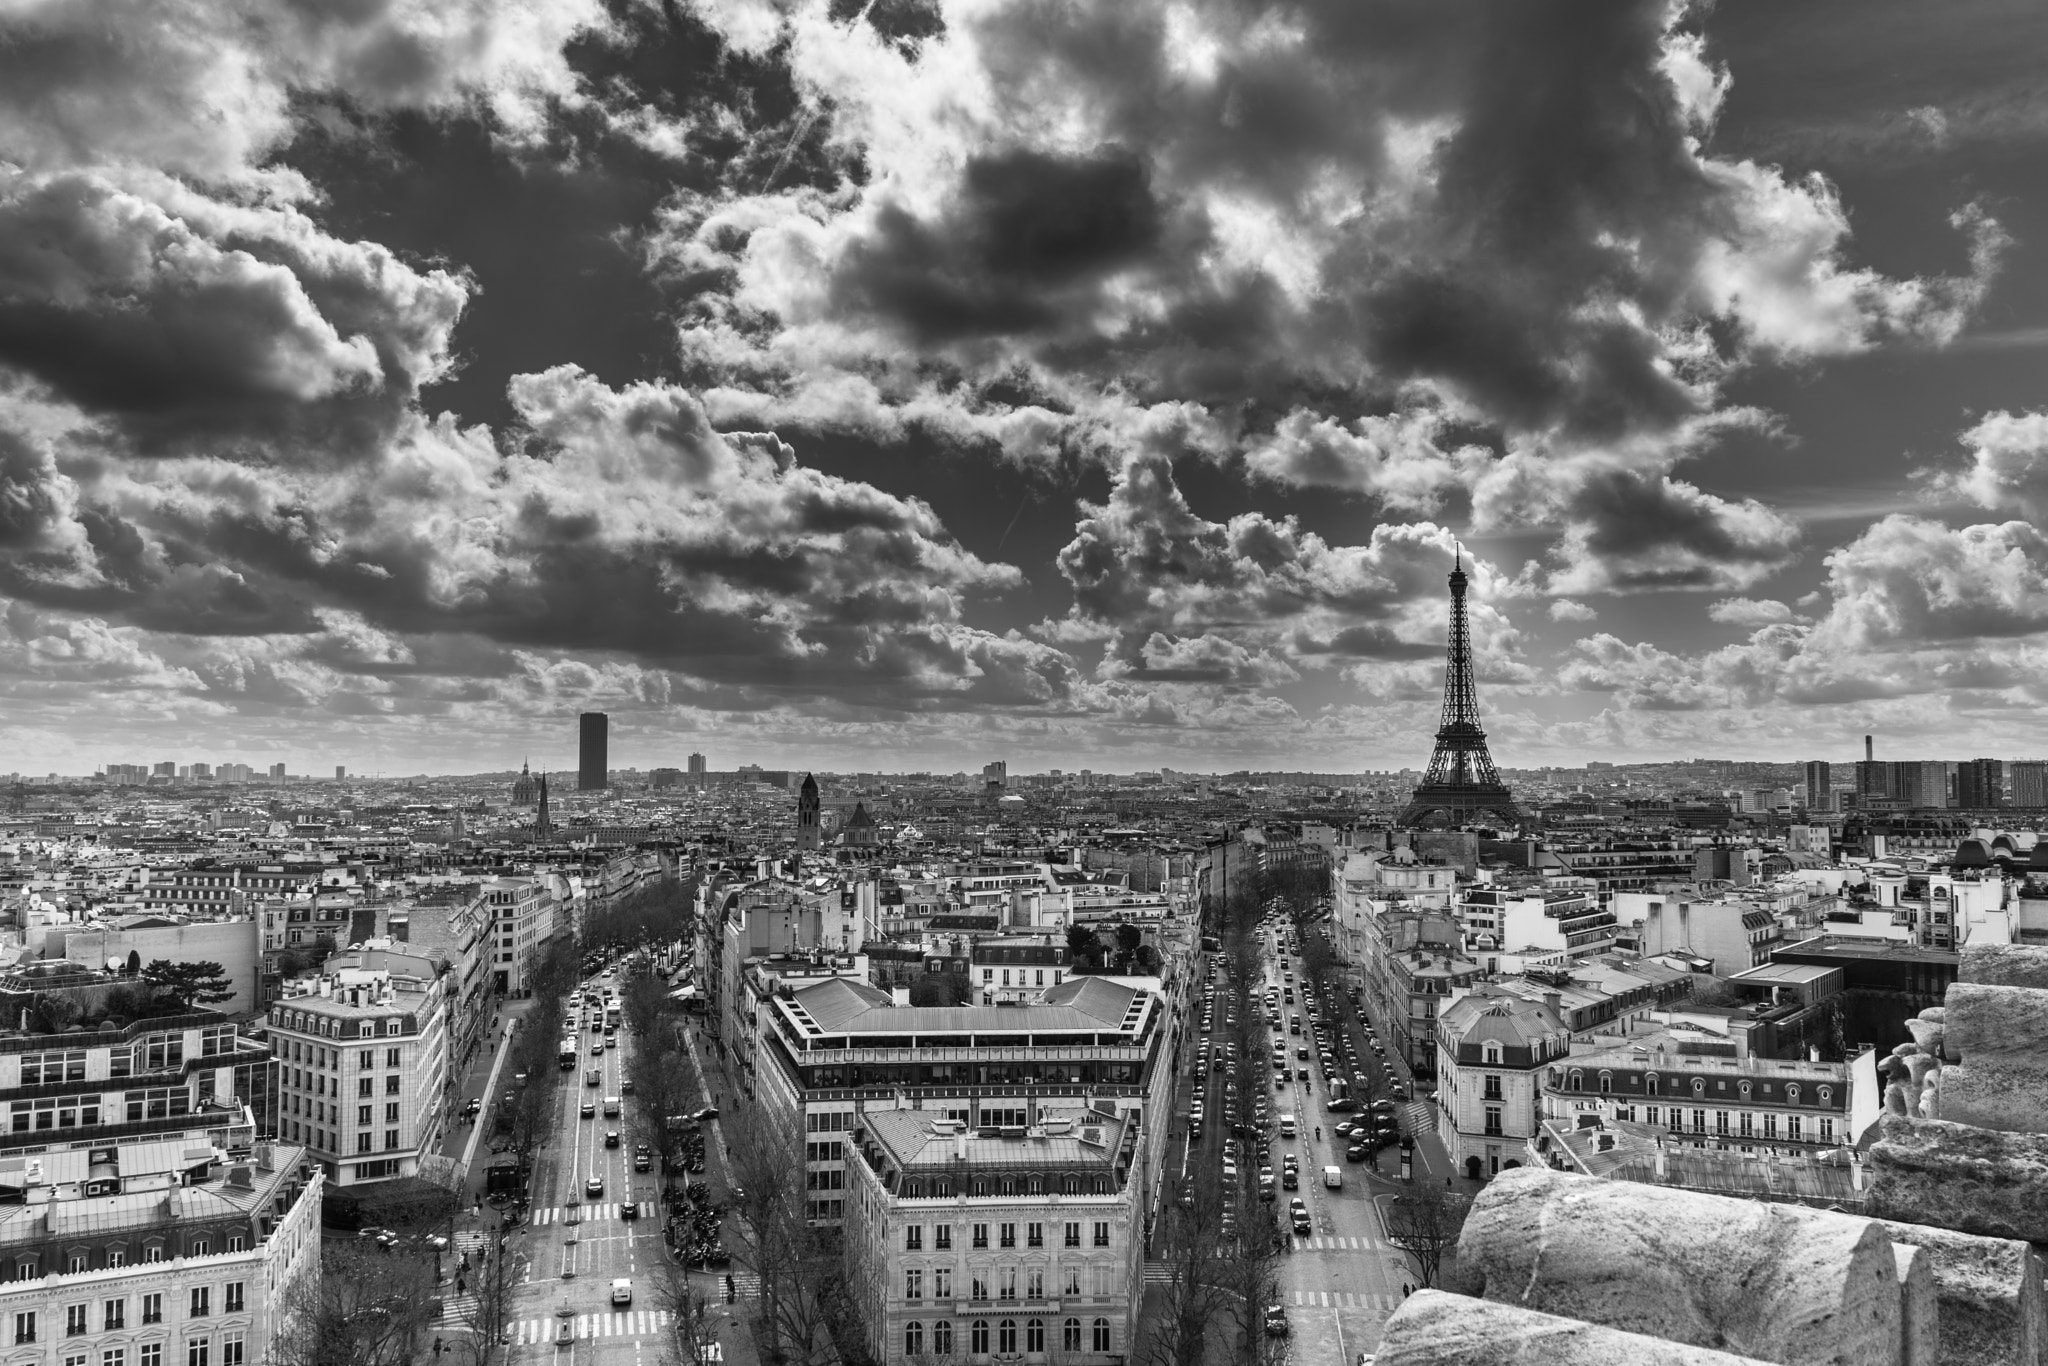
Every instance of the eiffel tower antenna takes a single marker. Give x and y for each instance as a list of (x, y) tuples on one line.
[(1461, 782)]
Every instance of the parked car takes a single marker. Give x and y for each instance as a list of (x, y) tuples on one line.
[(1276, 1321)]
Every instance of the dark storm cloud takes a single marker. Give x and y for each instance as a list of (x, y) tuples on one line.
[(1636, 531)]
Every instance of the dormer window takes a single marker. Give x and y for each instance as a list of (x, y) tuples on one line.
[(1699, 1086), (1490, 1054), (1792, 1093), (365, 1030), (1827, 1093)]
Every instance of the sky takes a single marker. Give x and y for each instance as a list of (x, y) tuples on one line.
[(905, 384)]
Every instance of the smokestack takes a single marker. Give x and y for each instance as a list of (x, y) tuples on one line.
[(1869, 749)]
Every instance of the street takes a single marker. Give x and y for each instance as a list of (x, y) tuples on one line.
[(575, 1242)]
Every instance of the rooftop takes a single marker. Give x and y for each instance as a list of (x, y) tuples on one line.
[(136, 1186), (917, 1141)]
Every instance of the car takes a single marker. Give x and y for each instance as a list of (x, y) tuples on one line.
[(641, 1162), (611, 1138), (1383, 1107), (610, 1041), (473, 1109), (622, 1291), (589, 1109), (1298, 1212), (1276, 1321), (597, 1049), (629, 1209), (708, 1112), (611, 1106), (1343, 1128), (626, 1087), (1301, 1074), (606, 973), (1357, 1152), (594, 1077)]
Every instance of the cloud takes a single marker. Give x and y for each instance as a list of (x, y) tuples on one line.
[(1568, 609), (1395, 458), (1909, 580), (2008, 464), (1750, 612), (1629, 532)]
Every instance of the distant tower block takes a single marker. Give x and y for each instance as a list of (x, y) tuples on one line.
[(593, 762), (807, 815), (1462, 783)]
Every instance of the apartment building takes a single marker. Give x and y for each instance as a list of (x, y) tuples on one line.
[(362, 1055), (1575, 922), (1415, 962), (216, 891), (522, 919), (189, 1078), (1019, 1242), (1734, 934), (1491, 1048), (154, 1253), (834, 1054), (1688, 1083)]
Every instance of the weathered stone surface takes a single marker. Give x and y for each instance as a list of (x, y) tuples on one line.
[(1930, 1035), (1779, 1282), (1954, 1176), (1998, 1025), (1432, 1328), (1919, 1328), (2005, 965), (1992, 1096), (1988, 1291)]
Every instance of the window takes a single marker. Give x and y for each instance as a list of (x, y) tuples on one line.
[(153, 1308), (977, 1283), (74, 1320), (152, 1252), (1072, 1280), (231, 1350), (1034, 1335), (1073, 1235), (1827, 1094), (1699, 1121), (913, 1284), (232, 1299), (1577, 1081), (1006, 1336), (237, 1243), (1102, 1233), (150, 1354), (942, 1237), (366, 1087), (1493, 1121), (390, 1139), (363, 1114), (980, 1235), (1699, 1086), (913, 1237), (1491, 1088), (1490, 1054), (977, 1338), (114, 1314), (117, 1256), (1742, 1089), (1101, 1337), (1793, 1128), (391, 1057), (75, 1263), (1034, 1235), (1650, 1114), (1009, 1235), (1101, 1279), (1792, 1093), (391, 1113), (913, 1338), (1070, 1336), (391, 1086), (1006, 1283), (1745, 1124), (362, 1143), (942, 1282), (202, 1301), (25, 1326), (113, 1356), (1827, 1129), (1770, 1125), (195, 1352), (1034, 1283)]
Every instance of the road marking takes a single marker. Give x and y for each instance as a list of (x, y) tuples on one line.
[(1337, 1299), (631, 1323)]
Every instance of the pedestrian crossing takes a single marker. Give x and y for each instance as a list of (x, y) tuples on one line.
[(556, 1214), (629, 1324), (1421, 1116), (457, 1311), (469, 1240), (1341, 1299), (1334, 1243)]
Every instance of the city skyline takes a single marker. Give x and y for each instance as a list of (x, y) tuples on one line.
[(901, 386)]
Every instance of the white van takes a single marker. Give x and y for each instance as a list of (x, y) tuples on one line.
[(1333, 1177), (1286, 1125)]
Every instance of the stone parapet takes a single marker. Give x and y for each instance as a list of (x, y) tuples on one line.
[(2005, 965), (1987, 1291), (1781, 1283), (1432, 1328)]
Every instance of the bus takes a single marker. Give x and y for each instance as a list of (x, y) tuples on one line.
[(611, 1016), (565, 1055)]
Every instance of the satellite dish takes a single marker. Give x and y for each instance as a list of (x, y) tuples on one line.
[(116, 964)]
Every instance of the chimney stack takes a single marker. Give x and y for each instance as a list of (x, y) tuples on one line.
[(1869, 749)]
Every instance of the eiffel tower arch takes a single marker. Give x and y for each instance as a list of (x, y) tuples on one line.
[(1461, 784)]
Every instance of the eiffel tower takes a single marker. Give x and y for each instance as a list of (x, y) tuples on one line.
[(1461, 782)]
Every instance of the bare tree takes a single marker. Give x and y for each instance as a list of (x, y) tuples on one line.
[(693, 1316), (364, 1309), (794, 1260), (1250, 1277), (1192, 1248), (497, 1277), (1423, 1224)]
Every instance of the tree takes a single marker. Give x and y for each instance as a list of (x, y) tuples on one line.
[(693, 1320), (1191, 1248), (1085, 947), (1423, 1224), (134, 963), (185, 984), (940, 989), (496, 1275), (364, 1309), (776, 1241)]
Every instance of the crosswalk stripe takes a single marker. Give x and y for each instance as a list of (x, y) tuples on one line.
[(629, 1323), (1339, 1299), (555, 1214)]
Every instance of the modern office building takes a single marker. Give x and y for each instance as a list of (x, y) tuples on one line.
[(189, 1079), (831, 1056), (362, 1062), (521, 911), (593, 754), (1020, 1242), (1980, 784), (697, 770), (155, 1253), (1819, 790), (2028, 779)]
